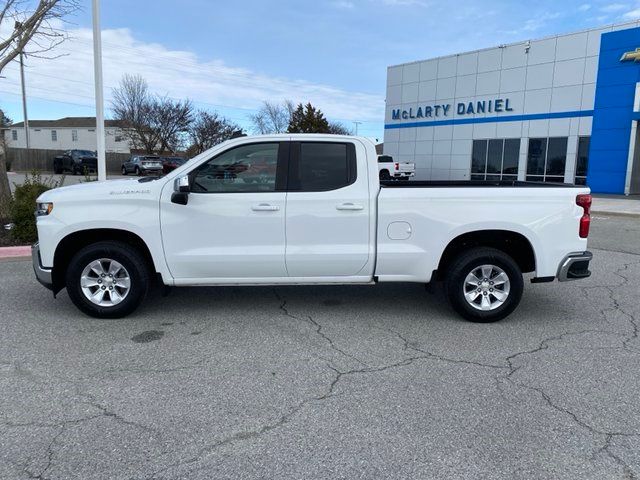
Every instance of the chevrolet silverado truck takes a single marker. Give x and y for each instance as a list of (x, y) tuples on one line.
[(388, 169), (321, 216)]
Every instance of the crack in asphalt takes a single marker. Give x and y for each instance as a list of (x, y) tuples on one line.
[(49, 454), (616, 307), (316, 325), (545, 344), (505, 373)]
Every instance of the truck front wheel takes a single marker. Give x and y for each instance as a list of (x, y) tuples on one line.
[(107, 279), (484, 285)]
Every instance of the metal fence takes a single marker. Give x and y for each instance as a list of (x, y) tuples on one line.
[(26, 160)]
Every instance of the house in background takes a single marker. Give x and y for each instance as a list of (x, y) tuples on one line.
[(67, 133)]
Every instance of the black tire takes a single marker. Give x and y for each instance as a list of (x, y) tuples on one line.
[(137, 171), (75, 171), (123, 170), (384, 175), (462, 266), (404, 179), (129, 258), (57, 169)]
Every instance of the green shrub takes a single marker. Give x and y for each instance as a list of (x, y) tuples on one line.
[(23, 205)]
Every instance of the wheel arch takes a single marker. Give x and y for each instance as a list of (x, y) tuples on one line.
[(512, 243), (73, 242)]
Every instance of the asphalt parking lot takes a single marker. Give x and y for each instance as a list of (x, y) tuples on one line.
[(327, 382)]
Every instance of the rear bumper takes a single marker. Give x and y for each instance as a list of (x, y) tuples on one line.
[(43, 275), (575, 266), (404, 174)]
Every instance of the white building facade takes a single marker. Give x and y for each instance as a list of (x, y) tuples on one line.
[(559, 109), (65, 134)]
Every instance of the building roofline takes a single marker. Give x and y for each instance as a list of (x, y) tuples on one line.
[(522, 42)]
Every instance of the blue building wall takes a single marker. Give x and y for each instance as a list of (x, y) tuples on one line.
[(613, 113)]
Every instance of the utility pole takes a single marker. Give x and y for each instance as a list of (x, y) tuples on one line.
[(356, 124), (97, 71), (24, 93)]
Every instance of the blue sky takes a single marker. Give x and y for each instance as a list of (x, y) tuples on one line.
[(228, 56)]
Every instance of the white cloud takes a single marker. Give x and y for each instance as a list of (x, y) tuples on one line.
[(584, 7), (633, 14), (178, 74), (614, 7), (343, 4)]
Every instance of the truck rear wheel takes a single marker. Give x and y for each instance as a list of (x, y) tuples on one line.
[(107, 279), (385, 175), (484, 285)]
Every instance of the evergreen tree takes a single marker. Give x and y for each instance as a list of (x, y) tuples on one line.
[(308, 119)]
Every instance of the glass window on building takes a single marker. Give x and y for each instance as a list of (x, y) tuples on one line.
[(14, 135), (54, 135), (547, 159), (582, 160), (495, 159), (74, 135)]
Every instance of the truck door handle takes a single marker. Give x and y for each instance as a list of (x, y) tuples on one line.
[(349, 206), (265, 207)]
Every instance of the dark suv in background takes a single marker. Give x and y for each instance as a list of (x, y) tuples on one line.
[(77, 162), (171, 163), (143, 165)]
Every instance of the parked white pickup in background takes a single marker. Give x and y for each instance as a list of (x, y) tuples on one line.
[(389, 170)]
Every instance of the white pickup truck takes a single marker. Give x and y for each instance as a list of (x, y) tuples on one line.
[(389, 169), (320, 216)]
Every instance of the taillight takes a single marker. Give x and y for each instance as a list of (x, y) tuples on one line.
[(397, 166), (584, 201)]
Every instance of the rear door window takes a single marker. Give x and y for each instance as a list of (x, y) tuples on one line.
[(322, 166)]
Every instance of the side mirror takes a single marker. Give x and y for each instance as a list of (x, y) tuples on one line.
[(181, 189), (181, 184)]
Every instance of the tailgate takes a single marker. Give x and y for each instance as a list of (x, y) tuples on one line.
[(406, 167)]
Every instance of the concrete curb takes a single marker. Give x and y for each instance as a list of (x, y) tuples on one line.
[(616, 214), (15, 252)]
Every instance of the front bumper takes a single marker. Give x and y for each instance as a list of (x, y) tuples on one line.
[(575, 266), (43, 275)]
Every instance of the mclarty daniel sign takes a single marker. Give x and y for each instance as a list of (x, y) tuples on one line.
[(496, 105)]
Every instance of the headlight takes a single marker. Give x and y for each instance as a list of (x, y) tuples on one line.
[(43, 208)]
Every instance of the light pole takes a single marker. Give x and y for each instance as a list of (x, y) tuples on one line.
[(97, 72), (356, 124), (24, 92)]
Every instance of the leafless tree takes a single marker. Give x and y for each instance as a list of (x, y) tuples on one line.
[(132, 106), (209, 129), (337, 128), (170, 120), (32, 30), (151, 123), (273, 117)]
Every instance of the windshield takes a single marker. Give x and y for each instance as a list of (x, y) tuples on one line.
[(85, 153)]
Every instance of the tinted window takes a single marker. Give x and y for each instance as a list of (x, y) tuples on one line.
[(385, 159), (249, 168), (537, 156), (556, 157), (324, 166), (511, 157), (495, 159), (479, 157), (582, 161), (494, 156)]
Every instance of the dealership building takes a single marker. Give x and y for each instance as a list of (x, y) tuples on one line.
[(559, 109)]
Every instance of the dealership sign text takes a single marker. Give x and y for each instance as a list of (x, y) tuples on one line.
[(462, 108)]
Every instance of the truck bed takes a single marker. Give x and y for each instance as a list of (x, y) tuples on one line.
[(474, 183)]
